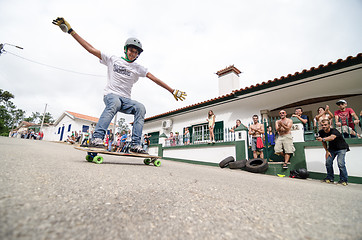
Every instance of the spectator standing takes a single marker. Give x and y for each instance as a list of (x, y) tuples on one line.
[(238, 123), (86, 138), (128, 141), (337, 147), (187, 136), (146, 142), (344, 119), (211, 120), (298, 113), (117, 141), (256, 131), (110, 140), (284, 143), (41, 135), (80, 135), (171, 139), (106, 141), (122, 141), (323, 113), (271, 136), (177, 138), (75, 136)]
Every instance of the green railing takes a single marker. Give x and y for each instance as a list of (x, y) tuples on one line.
[(227, 135)]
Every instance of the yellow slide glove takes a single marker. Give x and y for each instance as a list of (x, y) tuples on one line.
[(64, 25), (179, 95)]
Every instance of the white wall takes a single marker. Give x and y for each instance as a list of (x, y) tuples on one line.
[(228, 113), (243, 108), (51, 133), (228, 83), (315, 158), (213, 154)]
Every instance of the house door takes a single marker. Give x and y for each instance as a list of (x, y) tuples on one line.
[(61, 134)]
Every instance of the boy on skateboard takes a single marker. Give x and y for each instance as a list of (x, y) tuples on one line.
[(123, 72)]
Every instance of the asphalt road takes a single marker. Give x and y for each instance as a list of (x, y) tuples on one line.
[(49, 191)]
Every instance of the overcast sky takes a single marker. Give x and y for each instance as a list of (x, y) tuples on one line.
[(185, 43)]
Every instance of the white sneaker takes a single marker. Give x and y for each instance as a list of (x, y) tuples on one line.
[(96, 143), (137, 149)]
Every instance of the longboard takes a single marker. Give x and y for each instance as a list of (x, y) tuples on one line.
[(92, 156)]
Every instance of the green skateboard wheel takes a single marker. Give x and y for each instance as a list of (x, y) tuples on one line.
[(157, 163), (147, 161), (98, 159), (89, 158)]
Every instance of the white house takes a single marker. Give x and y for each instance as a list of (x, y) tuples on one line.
[(68, 122), (308, 89)]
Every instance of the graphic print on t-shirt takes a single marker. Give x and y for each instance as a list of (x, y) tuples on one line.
[(121, 70)]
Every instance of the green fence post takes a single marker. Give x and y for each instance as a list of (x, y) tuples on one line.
[(266, 145)]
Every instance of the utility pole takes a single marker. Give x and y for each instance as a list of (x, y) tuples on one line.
[(42, 121), (114, 123)]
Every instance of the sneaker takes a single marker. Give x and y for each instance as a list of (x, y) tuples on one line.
[(326, 180), (343, 183), (285, 165), (137, 149), (95, 143)]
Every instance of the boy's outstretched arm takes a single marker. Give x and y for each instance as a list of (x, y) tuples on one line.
[(65, 27), (177, 94)]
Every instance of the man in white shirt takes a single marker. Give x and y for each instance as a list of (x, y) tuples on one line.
[(123, 72)]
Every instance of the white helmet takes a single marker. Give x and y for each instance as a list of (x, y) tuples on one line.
[(134, 42)]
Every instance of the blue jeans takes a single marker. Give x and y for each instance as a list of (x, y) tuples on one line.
[(110, 145), (114, 104), (340, 154)]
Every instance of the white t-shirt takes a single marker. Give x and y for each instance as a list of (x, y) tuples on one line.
[(121, 75)]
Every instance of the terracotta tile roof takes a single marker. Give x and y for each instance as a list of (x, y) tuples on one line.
[(82, 116), (331, 66), (85, 117), (26, 124), (227, 70)]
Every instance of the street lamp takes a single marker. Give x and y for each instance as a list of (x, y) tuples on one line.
[(3, 44)]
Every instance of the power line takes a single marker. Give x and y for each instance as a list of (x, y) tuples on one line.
[(46, 65)]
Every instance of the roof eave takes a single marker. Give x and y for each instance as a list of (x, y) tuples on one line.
[(321, 69)]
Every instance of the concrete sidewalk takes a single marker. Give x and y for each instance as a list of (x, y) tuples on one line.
[(49, 191)]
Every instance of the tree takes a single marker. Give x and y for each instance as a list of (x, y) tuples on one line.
[(37, 118), (5, 96), (18, 116), (9, 115), (122, 125), (47, 119), (34, 118)]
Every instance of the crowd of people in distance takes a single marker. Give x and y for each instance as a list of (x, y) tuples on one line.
[(75, 137), (27, 134), (344, 120), (330, 128), (121, 141)]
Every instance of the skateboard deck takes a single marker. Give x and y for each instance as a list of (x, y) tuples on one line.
[(92, 156)]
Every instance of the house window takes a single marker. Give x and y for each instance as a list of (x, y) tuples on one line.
[(69, 127), (59, 130), (200, 133), (154, 137), (85, 128)]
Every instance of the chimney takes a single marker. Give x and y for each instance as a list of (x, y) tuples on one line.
[(228, 80)]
